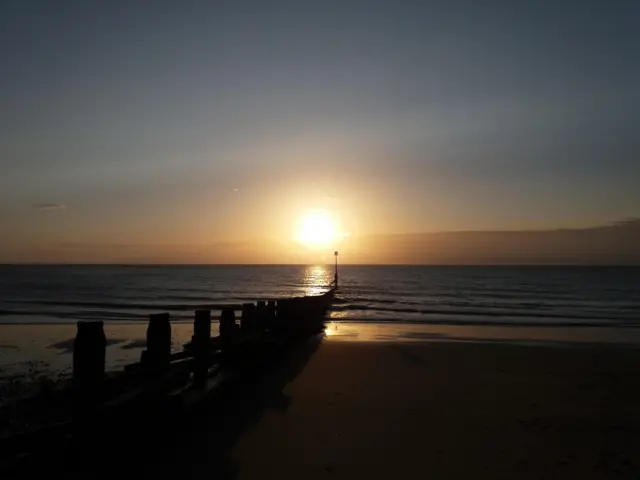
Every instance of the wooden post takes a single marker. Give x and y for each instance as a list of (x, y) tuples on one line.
[(304, 313), (248, 319), (201, 342), (284, 316), (227, 324), (261, 316), (158, 351), (89, 354), (270, 319), (316, 317), (303, 310)]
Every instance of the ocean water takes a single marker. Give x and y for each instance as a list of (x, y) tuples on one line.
[(563, 296)]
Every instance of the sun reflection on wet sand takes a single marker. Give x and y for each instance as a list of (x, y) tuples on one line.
[(331, 329), (405, 332)]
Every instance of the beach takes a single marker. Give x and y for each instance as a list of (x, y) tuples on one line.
[(341, 407), (363, 409)]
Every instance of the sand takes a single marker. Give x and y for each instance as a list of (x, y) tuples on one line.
[(452, 410), (410, 410)]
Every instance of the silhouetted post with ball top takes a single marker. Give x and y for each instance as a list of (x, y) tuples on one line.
[(335, 276)]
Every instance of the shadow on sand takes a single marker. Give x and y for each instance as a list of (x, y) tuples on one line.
[(214, 433), (193, 445)]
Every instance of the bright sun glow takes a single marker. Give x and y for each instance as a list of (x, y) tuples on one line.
[(316, 229)]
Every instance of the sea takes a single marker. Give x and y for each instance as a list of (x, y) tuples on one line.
[(474, 295)]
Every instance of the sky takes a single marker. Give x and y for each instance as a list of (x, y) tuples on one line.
[(198, 131)]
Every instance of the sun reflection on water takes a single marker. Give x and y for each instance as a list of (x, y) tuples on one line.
[(317, 279)]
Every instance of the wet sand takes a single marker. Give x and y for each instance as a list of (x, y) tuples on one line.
[(452, 410), (46, 348), (36, 349)]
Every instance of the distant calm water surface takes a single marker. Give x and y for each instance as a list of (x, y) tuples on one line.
[(442, 295)]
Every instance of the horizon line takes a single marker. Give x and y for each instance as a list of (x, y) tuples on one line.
[(507, 265)]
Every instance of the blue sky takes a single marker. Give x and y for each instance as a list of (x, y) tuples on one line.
[(226, 120)]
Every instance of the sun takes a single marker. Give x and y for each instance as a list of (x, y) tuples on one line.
[(316, 228)]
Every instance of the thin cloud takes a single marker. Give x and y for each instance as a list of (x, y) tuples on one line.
[(49, 206)]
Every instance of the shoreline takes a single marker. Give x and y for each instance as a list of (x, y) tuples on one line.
[(34, 351), (445, 319)]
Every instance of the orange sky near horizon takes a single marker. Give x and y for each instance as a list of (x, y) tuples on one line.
[(609, 244)]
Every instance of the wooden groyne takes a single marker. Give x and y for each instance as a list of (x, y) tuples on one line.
[(163, 383)]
